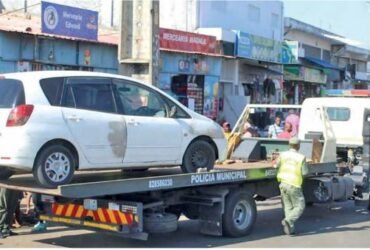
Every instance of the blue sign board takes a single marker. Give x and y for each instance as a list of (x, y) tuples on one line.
[(68, 21)]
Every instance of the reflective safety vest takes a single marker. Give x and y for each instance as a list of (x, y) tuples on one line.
[(290, 168)]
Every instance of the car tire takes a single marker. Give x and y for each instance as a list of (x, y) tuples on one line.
[(156, 223), (5, 173), (240, 214), (54, 166), (199, 154)]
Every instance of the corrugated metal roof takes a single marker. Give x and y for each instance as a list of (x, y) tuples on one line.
[(32, 26)]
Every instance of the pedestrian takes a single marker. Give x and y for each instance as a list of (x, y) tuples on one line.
[(41, 225), (291, 167), (293, 119), (275, 128), (8, 203), (249, 130), (227, 129), (286, 134)]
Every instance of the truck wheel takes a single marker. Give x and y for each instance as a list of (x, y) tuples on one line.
[(240, 214), (54, 166), (200, 154), (5, 173), (160, 223)]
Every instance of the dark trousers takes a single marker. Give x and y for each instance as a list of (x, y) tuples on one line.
[(8, 204)]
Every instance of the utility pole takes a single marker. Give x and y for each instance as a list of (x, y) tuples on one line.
[(138, 53)]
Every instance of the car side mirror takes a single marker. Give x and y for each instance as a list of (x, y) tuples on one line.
[(173, 111)]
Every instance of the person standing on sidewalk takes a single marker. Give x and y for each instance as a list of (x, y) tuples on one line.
[(40, 226), (291, 169), (8, 204)]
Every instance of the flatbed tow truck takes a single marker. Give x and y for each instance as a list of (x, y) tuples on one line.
[(223, 200)]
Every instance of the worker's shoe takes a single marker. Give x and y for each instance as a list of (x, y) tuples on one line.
[(8, 233), (2, 236), (39, 227), (287, 229)]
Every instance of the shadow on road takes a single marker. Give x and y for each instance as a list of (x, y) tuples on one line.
[(318, 219)]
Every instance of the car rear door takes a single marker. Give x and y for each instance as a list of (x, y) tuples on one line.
[(90, 111)]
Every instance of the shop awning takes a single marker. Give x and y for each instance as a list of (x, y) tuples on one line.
[(321, 63)]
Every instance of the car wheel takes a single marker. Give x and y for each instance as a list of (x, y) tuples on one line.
[(200, 154), (54, 166), (5, 173)]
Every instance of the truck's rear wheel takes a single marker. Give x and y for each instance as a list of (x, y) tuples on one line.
[(240, 214), (54, 166), (199, 154)]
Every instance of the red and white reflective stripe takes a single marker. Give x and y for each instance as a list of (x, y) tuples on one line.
[(101, 215)]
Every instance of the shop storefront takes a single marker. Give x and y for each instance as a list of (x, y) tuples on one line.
[(301, 82), (190, 70), (260, 70), (36, 52)]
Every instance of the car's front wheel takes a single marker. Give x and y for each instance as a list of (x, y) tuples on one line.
[(200, 154), (54, 166)]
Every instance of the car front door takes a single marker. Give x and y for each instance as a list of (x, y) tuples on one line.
[(90, 111), (152, 137)]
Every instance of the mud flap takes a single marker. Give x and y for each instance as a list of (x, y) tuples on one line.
[(211, 219)]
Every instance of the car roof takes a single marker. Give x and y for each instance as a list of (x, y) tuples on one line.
[(62, 73), (337, 101)]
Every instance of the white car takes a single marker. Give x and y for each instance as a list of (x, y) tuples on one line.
[(55, 122)]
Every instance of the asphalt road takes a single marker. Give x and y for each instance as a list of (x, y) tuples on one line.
[(335, 225)]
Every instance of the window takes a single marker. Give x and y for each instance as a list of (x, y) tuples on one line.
[(253, 13), (311, 51), (275, 21), (91, 94), (326, 55), (53, 88), (139, 101), (11, 93), (338, 114)]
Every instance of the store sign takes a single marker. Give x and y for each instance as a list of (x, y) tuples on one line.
[(69, 21), (258, 48), (314, 75), (300, 73), (186, 41), (290, 52)]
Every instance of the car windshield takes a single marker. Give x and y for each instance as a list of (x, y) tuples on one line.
[(11, 93)]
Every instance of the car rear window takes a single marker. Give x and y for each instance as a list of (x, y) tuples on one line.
[(11, 93), (53, 88)]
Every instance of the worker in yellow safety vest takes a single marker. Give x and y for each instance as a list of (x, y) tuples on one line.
[(291, 169)]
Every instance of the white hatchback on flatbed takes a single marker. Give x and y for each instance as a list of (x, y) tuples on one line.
[(55, 122)]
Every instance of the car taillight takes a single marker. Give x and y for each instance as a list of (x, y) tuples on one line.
[(19, 115)]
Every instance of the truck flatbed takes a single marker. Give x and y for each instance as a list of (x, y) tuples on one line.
[(101, 183)]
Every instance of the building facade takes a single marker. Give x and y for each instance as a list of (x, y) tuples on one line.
[(250, 42), (315, 60)]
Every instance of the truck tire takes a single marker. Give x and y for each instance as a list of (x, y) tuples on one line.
[(54, 166), (156, 223), (5, 173), (199, 154), (240, 214)]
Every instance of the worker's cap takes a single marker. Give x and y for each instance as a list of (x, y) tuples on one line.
[(294, 141)]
